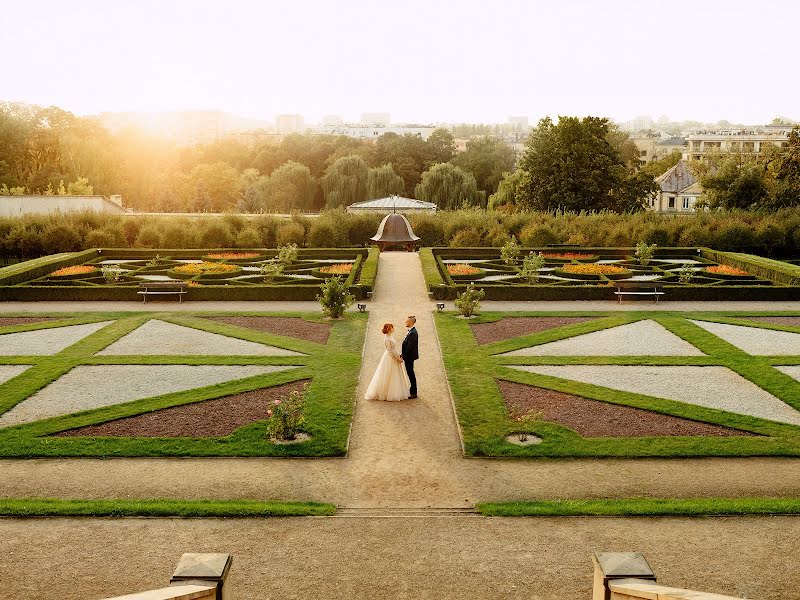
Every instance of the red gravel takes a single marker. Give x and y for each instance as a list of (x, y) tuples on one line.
[(511, 327), (291, 326), (11, 321), (787, 321), (211, 418), (593, 418)]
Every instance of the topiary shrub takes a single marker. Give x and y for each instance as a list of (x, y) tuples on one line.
[(335, 298), (465, 238), (149, 237), (101, 238), (534, 236), (290, 233), (217, 234), (248, 238), (60, 238), (430, 229)]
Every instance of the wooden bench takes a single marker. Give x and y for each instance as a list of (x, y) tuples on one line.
[(161, 288), (638, 288)]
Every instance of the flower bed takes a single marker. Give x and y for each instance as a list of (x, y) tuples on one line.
[(570, 256), (74, 272), (592, 271), (205, 270), (233, 256), (338, 269), (463, 272), (726, 272)]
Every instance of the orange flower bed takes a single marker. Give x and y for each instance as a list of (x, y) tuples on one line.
[(74, 270), (594, 269), (205, 268), (726, 270), (194, 284), (338, 269), (567, 255), (233, 255), (462, 270)]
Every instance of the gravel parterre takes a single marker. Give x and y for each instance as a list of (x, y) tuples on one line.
[(755, 340), (157, 337), (9, 371), (291, 326), (711, 387), (642, 338), (45, 342), (89, 387), (511, 327)]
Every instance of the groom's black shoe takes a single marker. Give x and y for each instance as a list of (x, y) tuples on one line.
[(412, 397)]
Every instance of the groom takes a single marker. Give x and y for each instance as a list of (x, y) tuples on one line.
[(411, 353)]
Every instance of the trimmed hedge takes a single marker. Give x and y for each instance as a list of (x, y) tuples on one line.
[(765, 268), (369, 270), (39, 267)]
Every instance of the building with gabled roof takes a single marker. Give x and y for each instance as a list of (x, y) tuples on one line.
[(679, 190)]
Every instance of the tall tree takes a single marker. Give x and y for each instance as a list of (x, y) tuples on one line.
[(442, 145), (383, 181), (221, 183), (345, 182), (572, 166), (487, 158), (448, 186)]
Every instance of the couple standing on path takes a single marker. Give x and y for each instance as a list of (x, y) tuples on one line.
[(391, 382)]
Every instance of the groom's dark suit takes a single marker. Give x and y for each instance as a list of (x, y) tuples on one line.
[(410, 354)]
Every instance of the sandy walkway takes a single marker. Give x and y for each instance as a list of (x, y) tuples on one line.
[(436, 558)]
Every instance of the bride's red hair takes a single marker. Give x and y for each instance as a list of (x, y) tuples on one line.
[(387, 327)]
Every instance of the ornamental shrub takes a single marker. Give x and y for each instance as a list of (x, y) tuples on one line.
[(645, 253), (511, 251), (290, 233), (217, 234), (735, 237), (335, 298), (530, 267), (149, 237), (466, 238), (270, 270), (468, 302), (535, 236), (101, 238), (286, 415), (248, 238), (287, 254)]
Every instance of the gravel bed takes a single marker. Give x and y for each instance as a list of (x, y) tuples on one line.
[(291, 326), (13, 321), (711, 387), (211, 418), (642, 338), (786, 321), (45, 342), (754, 340), (9, 371), (511, 327), (157, 337), (592, 418), (791, 371), (88, 387)]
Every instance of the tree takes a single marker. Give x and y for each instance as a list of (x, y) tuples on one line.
[(661, 165), (572, 166), (442, 145), (487, 158), (383, 181), (220, 181), (506, 195), (448, 186), (290, 187), (345, 182)]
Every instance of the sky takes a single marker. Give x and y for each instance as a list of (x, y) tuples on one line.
[(421, 61)]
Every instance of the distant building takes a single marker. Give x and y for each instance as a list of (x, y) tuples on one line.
[(746, 141), (392, 204), (652, 147), (373, 132), (15, 206), (331, 120), (290, 124), (679, 190), (642, 123), (375, 119), (521, 122)]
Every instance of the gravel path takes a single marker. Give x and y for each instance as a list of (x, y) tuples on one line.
[(754, 340), (88, 387), (791, 371), (9, 371), (161, 338), (642, 338), (397, 558), (42, 342), (712, 387)]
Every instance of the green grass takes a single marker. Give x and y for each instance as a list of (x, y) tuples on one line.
[(160, 507), (642, 507), (473, 372), (332, 369)]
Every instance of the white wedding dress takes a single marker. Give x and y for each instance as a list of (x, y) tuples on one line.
[(390, 381)]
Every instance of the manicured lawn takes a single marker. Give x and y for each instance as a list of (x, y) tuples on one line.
[(643, 507), (160, 507), (332, 369), (473, 372)]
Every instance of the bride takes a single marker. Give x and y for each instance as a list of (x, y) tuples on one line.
[(390, 381)]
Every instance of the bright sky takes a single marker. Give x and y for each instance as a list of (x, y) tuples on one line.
[(420, 60)]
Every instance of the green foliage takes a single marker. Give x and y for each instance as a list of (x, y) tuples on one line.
[(645, 253), (511, 251), (290, 233), (530, 267), (287, 254), (270, 270), (345, 182), (573, 166), (383, 182), (661, 165), (468, 303), (335, 298), (249, 237), (487, 158), (286, 415), (111, 273), (686, 274), (448, 186)]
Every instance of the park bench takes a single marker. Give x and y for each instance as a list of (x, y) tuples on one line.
[(638, 288), (161, 288)]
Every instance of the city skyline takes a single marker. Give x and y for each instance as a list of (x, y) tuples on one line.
[(426, 63)]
